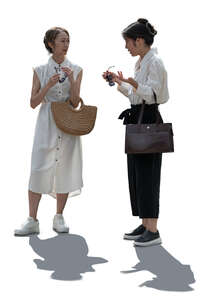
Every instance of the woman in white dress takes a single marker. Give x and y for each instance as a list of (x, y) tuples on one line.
[(56, 163)]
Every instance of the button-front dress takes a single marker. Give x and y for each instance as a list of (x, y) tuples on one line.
[(56, 162)]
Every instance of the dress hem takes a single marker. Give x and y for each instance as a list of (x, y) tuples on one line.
[(73, 193)]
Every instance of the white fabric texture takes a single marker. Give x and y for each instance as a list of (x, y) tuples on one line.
[(150, 74), (56, 162)]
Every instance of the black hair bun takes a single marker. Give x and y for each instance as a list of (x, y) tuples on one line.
[(149, 27), (142, 21)]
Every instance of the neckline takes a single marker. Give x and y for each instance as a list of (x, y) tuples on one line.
[(146, 57), (51, 61)]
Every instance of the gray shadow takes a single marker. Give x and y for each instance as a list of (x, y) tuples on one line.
[(65, 254), (171, 275)]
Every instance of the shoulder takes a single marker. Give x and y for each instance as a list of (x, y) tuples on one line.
[(157, 65), (76, 68), (40, 68), (156, 60)]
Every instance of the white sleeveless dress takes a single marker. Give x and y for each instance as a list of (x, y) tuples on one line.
[(56, 162)]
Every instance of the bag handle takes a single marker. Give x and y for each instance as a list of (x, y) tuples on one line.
[(68, 101), (142, 110)]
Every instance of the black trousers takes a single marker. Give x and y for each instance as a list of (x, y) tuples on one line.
[(144, 170)]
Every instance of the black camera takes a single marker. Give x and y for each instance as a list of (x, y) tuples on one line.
[(109, 77)]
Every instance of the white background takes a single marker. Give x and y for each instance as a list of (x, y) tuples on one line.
[(101, 214)]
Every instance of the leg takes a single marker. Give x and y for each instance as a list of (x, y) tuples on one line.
[(132, 184), (152, 224), (34, 199), (148, 171), (144, 222), (61, 201), (31, 225)]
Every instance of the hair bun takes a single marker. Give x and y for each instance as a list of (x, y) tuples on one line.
[(149, 27), (142, 21)]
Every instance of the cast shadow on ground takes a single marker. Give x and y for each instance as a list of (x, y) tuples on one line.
[(66, 255), (171, 275)]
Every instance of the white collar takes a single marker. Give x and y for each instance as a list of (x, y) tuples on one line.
[(53, 63), (147, 56)]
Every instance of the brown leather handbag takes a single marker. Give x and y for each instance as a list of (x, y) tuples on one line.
[(149, 138), (74, 121)]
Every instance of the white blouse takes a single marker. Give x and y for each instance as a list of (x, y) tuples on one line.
[(150, 74)]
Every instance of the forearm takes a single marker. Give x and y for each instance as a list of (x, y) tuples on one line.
[(74, 93), (132, 82), (37, 99)]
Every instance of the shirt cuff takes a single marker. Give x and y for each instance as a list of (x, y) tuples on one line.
[(124, 88), (144, 91)]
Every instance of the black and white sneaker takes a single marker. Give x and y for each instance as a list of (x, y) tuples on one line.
[(148, 238), (135, 233)]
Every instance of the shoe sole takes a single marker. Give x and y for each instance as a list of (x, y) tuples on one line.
[(131, 238), (151, 243), (26, 234), (60, 231)]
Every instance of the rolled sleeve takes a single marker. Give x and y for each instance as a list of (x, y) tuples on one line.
[(124, 88)]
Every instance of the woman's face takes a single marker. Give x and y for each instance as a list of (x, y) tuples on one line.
[(132, 46), (61, 44)]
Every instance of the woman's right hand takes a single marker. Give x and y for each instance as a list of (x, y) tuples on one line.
[(114, 76), (53, 80)]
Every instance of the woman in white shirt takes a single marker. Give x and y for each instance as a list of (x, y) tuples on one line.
[(144, 170)]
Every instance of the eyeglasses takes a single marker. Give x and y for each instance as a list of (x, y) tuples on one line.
[(62, 74)]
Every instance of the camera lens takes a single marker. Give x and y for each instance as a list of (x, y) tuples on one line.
[(109, 79)]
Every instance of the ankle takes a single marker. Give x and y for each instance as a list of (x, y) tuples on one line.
[(152, 229), (34, 218)]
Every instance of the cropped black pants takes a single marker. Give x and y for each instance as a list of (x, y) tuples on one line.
[(144, 170)]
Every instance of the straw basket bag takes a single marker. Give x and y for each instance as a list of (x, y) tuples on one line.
[(74, 121)]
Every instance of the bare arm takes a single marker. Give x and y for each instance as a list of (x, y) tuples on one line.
[(75, 89), (38, 95)]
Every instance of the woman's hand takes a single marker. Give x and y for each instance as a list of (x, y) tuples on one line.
[(129, 80), (132, 82), (53, 80), (115, 77), (121, 77), (69, 73)]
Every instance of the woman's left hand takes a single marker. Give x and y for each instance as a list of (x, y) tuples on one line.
[(132, 82), (129, 80), (69, 73)]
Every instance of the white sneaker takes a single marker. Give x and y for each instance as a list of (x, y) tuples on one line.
[(30, 226), (59, 224)]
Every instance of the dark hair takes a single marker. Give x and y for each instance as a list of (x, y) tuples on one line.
[(140, 29), (51, 35)]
